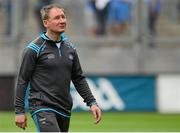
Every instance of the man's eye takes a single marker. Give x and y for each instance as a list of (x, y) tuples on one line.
[(63, 16), (57, 17)]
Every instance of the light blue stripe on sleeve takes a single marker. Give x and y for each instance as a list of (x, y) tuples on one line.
[(33, 44), (33, 48)]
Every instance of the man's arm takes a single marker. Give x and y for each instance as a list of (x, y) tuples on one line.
[(26, 69), (83, 89)]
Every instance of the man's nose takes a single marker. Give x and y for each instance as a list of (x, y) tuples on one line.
[(62, 20)]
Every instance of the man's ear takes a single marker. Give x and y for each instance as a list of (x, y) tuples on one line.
[(45, 23)]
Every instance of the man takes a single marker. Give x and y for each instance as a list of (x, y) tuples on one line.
[(153, 10), (48, 65), (153, 14)]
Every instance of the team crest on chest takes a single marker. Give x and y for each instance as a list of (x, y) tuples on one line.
[(51, 56), (71, 57)]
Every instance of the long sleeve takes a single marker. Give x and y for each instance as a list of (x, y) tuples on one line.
[(26, 69), (80, 82)]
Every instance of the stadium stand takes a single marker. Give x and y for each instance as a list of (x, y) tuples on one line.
[(127, 53)]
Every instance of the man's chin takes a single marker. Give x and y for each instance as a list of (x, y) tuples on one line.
[(59, 32)]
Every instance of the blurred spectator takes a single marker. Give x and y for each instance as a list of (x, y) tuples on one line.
[(178, 9), (119, 16), (178, 5), (153, 13), (101, 12), (90, 18), (0, 3), (154, 10), (8, 10), (8, 7), (25, 4), (39, 4)]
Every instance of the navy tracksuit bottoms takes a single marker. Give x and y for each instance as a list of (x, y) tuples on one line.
[(48, 121)]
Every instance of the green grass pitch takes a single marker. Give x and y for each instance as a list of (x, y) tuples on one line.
[(111, 122)]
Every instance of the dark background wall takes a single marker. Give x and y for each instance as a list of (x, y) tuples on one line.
[(6, 92)]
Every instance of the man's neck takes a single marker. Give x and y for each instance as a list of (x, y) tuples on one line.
[(53, 36)]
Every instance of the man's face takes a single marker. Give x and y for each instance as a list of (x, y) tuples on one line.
[(56, 21)]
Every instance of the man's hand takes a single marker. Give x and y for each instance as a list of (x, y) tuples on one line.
[(21, 121), (96, 112)]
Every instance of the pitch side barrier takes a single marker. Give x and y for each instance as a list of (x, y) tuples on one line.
[(159, 93), (120, 93), (149, 93)]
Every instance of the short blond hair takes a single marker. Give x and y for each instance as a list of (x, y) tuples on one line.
[(45, 10)]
